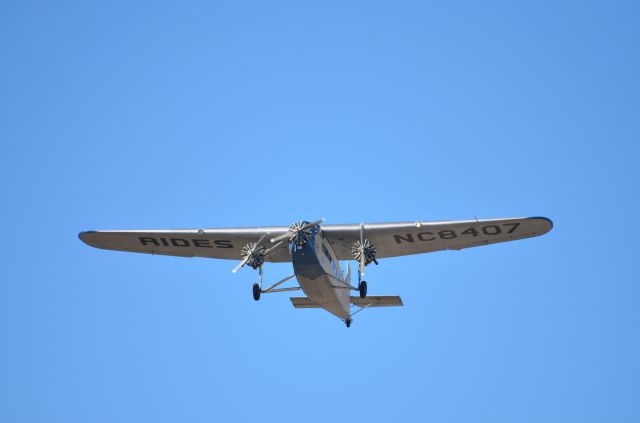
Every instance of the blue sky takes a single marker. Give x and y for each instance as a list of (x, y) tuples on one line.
[(135, 114)]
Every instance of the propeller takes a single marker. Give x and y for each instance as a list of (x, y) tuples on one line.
[(298, 233), (364, 252), (253, 254)]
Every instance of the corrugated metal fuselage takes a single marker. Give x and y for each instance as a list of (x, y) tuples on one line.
[(320, 276)]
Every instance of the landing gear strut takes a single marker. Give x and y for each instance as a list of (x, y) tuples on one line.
[(362, 288), (257, 287)]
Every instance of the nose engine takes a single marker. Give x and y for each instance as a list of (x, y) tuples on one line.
[(300, 233)]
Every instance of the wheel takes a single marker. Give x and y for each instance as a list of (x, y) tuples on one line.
[(348, 323), (363, 289), (256, 291)]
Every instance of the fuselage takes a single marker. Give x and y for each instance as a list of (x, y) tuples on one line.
[(320, 276)]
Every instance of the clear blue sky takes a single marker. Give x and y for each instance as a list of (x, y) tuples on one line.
[(118, 115)]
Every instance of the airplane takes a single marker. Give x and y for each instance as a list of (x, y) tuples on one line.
[(315, 250)]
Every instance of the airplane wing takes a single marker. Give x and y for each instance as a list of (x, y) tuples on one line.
[(390, 239), (212, 243), (401, 239)]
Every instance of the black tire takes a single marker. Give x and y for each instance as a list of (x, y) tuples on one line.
[(256, 291), (348, 323), (363, 289)]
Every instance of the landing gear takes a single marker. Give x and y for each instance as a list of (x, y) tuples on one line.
[(362, 288), (256, 291), (257, 287), (347, 322)]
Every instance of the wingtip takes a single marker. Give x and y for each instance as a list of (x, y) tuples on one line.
[(83, 233), (546, 219)]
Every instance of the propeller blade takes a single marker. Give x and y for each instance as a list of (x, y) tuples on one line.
[(242, 263), (272, 249), (280, 237), (261, 239), (310, 224), (362, 258)]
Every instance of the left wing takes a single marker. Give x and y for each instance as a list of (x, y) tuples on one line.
[(401, 239), (213, 243)]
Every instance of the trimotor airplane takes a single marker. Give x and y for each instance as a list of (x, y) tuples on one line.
[(316, 251)]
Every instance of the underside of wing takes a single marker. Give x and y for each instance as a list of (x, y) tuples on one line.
[(400, 239), (389, 239), (211, 243)]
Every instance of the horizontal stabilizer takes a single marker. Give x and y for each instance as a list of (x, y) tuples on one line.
[(372, 301), (303, 302), (377, 301)]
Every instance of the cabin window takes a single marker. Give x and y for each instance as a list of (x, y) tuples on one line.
[(326, 252)]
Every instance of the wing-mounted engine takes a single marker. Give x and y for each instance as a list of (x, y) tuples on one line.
[(364, 252), (366, 249), (253, 254)]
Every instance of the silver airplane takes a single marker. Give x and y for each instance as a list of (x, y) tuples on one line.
[(316, 250)]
